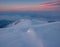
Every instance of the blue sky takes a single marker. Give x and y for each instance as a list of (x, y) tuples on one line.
[(22, 2)]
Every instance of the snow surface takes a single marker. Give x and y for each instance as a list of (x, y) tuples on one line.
[(25, 34), (27, 22)]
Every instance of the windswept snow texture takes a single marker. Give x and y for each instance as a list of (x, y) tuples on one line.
[(27, 33)]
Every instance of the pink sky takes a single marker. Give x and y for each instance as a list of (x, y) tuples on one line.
[(44, 6)]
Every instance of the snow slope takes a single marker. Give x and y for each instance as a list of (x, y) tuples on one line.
[(27, 22), (41, 35)]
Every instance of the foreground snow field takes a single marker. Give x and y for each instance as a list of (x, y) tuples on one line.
[(27, 35)]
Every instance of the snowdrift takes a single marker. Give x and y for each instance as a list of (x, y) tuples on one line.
[(41, 35)]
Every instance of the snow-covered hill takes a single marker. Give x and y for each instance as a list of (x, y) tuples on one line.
[(27, 22), (25, 34)]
